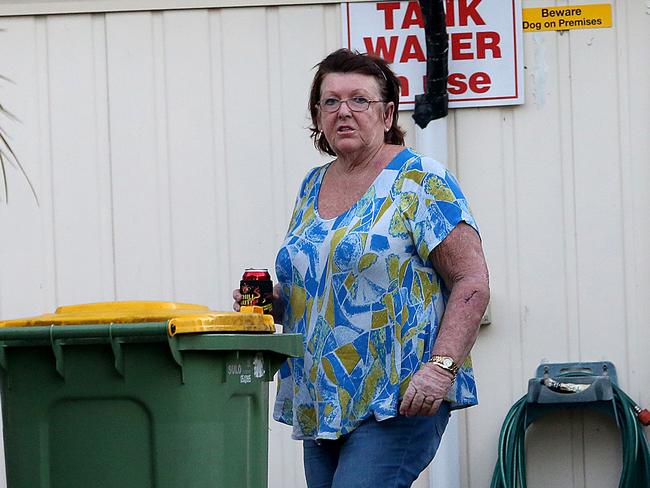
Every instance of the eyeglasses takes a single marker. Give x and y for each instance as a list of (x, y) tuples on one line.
[(356, 104)]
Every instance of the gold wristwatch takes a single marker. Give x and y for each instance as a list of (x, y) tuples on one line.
[(445, 362)]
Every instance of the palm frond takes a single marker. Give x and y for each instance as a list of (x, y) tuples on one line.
[(4, 177), (7, 155), (4, 111)]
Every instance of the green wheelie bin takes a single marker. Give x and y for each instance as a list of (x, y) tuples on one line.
[(139, 395)]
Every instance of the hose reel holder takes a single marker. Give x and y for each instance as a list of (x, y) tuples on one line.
[(571, 385), (562, 386)]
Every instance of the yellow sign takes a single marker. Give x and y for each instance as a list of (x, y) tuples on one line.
[(569, 17)]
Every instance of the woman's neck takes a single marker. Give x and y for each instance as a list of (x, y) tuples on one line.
[(357, 163)]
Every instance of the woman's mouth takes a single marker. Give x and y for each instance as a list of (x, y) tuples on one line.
[(344, 128)]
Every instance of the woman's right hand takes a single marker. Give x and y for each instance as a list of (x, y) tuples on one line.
[(236, 296), (278, 304), (278, 307)]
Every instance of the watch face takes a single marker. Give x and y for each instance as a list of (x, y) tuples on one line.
[(447, 362)]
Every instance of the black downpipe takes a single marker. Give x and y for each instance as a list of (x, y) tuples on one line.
[(434, 103)]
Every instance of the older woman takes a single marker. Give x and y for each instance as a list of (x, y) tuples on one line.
[(383, 273)]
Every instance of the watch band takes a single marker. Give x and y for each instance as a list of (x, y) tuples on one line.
[(445, 362)]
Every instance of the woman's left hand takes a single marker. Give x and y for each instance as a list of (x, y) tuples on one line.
[(426, 391)]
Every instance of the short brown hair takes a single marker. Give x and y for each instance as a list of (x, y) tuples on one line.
[(346, 61)]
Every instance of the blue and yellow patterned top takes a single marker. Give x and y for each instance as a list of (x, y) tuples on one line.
[(361, 289)]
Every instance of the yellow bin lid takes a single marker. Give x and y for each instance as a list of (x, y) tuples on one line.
[(182, 318)]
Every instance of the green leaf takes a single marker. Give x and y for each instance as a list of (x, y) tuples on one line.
[(7, 155)]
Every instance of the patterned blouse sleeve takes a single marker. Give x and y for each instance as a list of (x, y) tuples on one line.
[(432, 204), (306, 188)]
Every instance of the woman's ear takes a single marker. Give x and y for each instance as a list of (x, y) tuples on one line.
[(388, 115)]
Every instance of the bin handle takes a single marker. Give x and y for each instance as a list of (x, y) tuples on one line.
[(176, 354), (58, 352), (118, 354), (3, 357)]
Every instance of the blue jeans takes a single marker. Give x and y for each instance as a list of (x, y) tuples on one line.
[(387, 454)]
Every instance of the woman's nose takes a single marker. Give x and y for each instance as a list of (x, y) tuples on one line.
[(344, 109)]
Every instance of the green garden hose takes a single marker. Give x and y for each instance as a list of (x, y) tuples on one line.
[(510, 469)]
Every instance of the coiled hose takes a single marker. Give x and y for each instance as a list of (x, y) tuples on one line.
[(510, 469)]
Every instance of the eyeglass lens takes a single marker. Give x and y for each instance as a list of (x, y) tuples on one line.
[(356, 104)]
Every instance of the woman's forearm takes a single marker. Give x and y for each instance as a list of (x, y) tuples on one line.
[(460, 263), (462, 318)]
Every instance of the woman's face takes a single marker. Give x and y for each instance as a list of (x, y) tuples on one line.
[(351, 133)]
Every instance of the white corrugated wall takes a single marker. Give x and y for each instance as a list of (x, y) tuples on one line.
[(166, 149)]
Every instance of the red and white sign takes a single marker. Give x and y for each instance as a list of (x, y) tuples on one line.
[(485, 59)]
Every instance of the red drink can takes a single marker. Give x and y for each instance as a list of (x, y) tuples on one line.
[(256, 288)]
